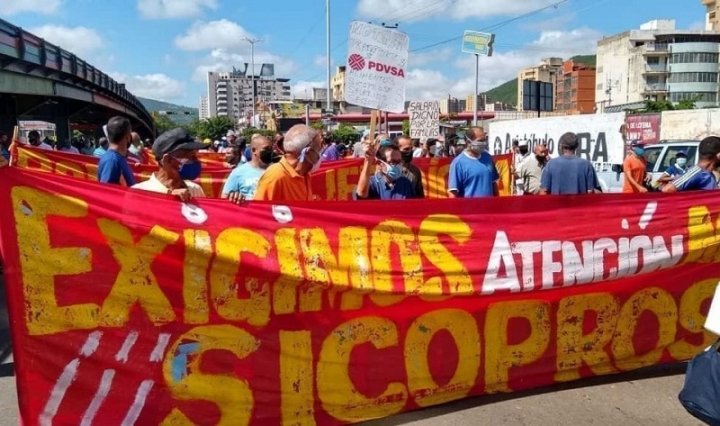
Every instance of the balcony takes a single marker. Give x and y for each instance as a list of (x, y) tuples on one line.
[(656, 49), (656, 88), (656, 69)]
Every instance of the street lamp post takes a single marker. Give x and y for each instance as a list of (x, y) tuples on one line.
[(327, 48), (252, 42)]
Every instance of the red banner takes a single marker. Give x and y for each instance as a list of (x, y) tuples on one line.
[(643, 127), (336, 312), (335, 180)]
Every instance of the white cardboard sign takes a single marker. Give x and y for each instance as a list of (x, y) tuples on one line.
[(376, 67), (424, 119)]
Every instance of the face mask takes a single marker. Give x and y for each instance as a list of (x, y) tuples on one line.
[(266, 156), (407, 156), (639, 151), (393, 171), (182, 161), (523, 150), (681, 162), (478, 146), (190, 170), (315, 166), (134, 150)]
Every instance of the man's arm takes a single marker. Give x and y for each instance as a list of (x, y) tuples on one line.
[(127, 174), (453, 180), (363, 186), (545, 181)]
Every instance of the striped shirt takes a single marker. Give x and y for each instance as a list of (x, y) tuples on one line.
[(696, 179)]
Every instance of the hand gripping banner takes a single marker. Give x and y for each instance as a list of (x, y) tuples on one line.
[(336, 312)]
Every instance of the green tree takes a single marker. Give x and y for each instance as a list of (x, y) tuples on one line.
[(406, 127), (686, 104), (213, 128), (247, 133), (163, 123), (345, 134)]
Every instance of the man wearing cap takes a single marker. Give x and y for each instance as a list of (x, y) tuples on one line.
[(113, 163), (704, 175), (172, 150), (635, 169), (676, 170), (568, 174), (520, 156), (289, 179)]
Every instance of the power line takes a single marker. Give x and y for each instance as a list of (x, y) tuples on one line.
[(501, 24)]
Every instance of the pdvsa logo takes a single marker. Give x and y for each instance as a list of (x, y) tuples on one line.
[(357, 63)]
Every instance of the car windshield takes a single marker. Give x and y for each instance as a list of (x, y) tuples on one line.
[(651, 155), (672, 153)]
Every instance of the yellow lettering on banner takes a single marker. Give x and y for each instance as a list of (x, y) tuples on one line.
[(296, 378), (230, 245), (384, 236), (198, 251), (135, 283), (575, 347), (40, 263), (291, 273), (338, 395), (345, 188), (330, 191), (233, 397), (70, 169), (463, 328), (703, 236), (662, 305), (25, 157), (692, 319), (436, 184), (206, 183), (500, 356), (459, 280)]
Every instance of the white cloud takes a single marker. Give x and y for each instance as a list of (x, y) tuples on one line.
[(213, 35), (425, 84), (46, 7), (430, 56), (169, 9), (79, 40), (416, 10), (223, 60), (320, 61), (153, 86)]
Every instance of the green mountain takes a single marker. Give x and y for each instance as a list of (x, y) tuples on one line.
[(507, 92), (179, 114)]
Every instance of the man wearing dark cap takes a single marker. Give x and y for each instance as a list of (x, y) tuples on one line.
[(113, 163), (635, 169), (677, 169), (568, 174), (172, 150)]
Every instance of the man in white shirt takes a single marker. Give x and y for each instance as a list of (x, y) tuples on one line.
[(172, 150)]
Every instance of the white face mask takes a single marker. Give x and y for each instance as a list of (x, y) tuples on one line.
[(134, 150), (315, 166), (681, 162)]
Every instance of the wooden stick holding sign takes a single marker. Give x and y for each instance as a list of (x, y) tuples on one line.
[(373, 123)]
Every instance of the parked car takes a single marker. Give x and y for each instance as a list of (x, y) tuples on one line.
[(659, 157)]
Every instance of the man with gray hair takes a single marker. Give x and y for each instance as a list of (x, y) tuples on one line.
[(289, 179)]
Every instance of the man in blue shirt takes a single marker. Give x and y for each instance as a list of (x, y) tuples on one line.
[(473, 173), (568, 174), (700, 177), (113, 164), (242, 181), (388, 182)]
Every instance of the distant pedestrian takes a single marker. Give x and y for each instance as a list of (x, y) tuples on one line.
[(330, 151), (113, 164), (677, 169), (531, 170), (702, 176), (410, 171), (34, 140), (568, 174), (473, 173), (101, 148), (635, 169), (520, 155), (5, 145)]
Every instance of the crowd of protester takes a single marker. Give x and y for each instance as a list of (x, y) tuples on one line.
[(279, 168)]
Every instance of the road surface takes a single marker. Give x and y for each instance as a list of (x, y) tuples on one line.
[(648, 397)]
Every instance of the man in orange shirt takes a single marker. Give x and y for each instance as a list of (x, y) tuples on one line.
[(635, 169), (289, 180)]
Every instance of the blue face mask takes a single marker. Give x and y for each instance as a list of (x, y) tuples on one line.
[(639, 151), (393, 171), (191, 170)]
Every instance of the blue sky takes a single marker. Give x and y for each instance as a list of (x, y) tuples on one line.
[(163, 48)]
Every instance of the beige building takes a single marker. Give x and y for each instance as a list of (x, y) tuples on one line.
[(338, 85), (712, 20), (547, 71)]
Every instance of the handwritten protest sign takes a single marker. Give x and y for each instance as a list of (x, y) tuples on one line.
[(424, 120), (376, 66)]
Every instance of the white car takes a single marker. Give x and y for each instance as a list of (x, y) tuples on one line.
[(659, 157)]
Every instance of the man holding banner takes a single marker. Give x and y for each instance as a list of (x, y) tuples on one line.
[(473, 173)]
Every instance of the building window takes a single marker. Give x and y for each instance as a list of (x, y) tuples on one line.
[(694, 57), (693, 96), (694, 77)]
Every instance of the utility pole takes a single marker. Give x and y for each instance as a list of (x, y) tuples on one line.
[(327, 51), (252, 42), (477, 89)]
